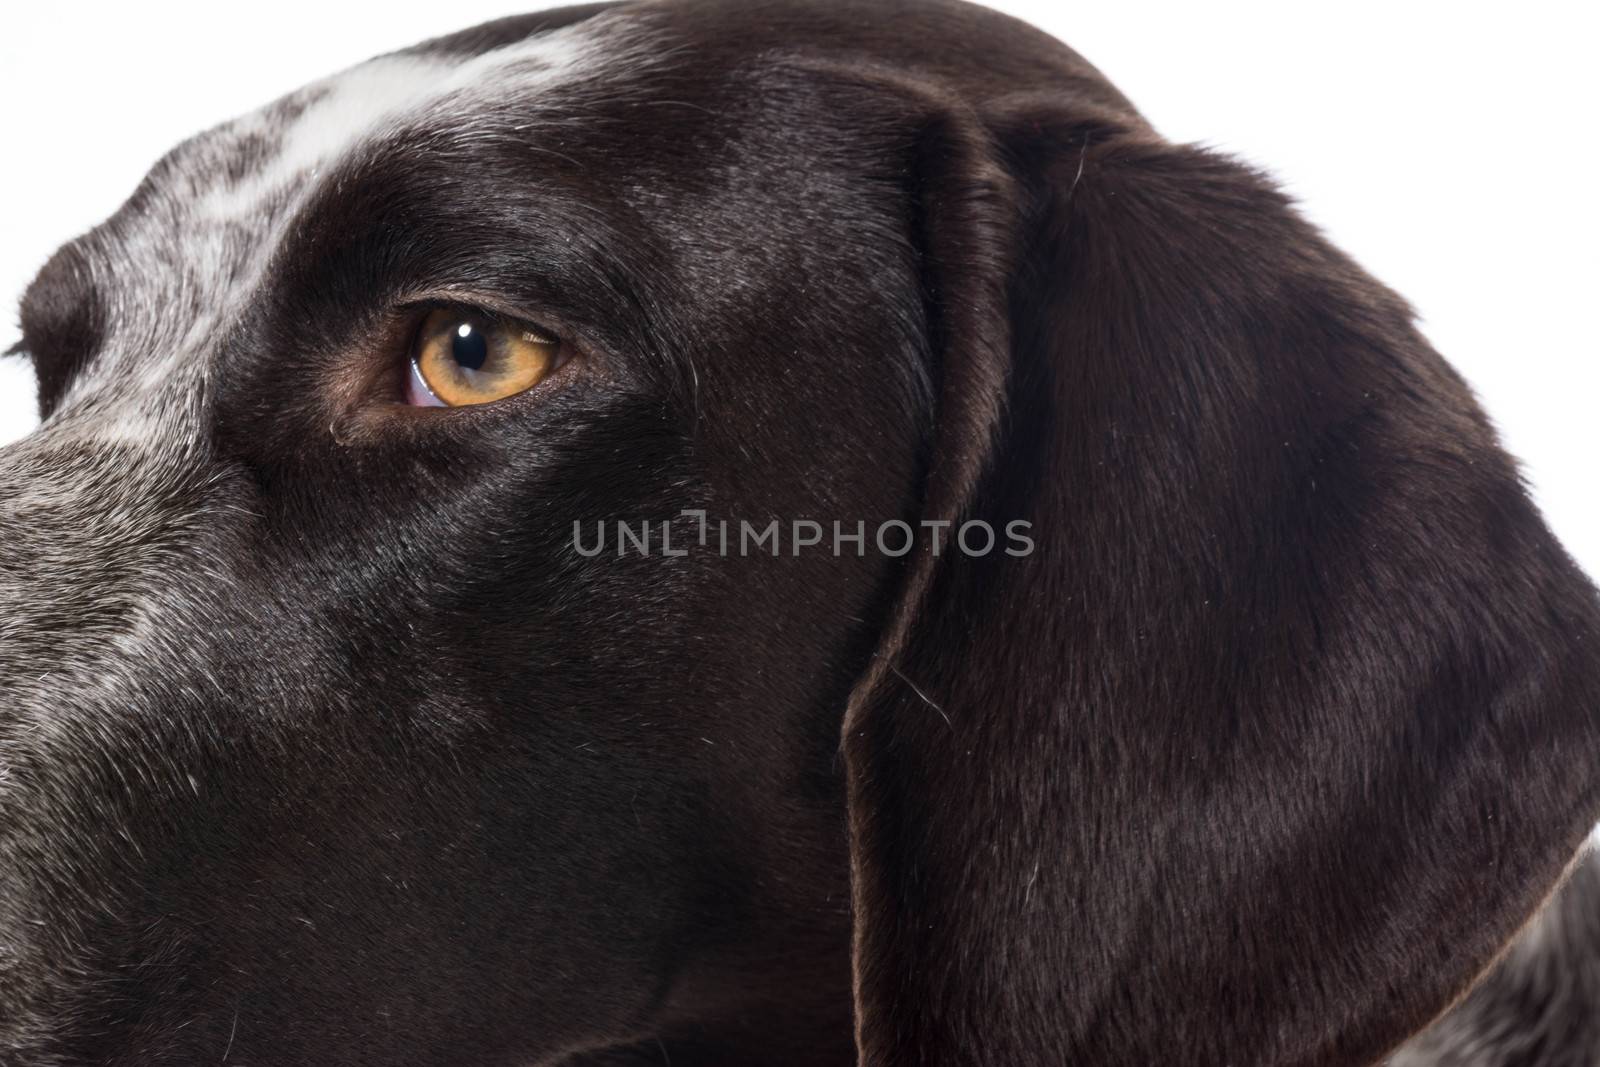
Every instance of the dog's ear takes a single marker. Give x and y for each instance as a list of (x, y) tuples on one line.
[(1288, 719)]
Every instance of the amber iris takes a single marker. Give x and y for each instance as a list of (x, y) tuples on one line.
[(467, 356)]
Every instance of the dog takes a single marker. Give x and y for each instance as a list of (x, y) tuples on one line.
[(769, 533)]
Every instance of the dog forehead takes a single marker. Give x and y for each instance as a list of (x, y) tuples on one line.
[(327, 120), (178, 264)]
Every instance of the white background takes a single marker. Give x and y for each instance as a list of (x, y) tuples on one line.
[(1450, 148)]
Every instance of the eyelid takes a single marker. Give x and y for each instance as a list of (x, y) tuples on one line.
[(538, 338), (422, 302)]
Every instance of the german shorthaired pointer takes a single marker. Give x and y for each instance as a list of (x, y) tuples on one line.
[(768, 533)]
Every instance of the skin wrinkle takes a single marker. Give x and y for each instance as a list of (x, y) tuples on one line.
[(319, 743)]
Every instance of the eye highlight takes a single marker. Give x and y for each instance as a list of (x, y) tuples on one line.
[(463, 356)]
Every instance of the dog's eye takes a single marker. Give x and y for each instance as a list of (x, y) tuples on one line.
[(466, 356)]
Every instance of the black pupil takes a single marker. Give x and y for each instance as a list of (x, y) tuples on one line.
[(468, 347)]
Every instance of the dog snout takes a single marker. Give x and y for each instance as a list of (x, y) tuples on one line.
[(100, 545)]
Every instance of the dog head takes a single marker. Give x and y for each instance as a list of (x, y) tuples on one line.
[(859, 375)]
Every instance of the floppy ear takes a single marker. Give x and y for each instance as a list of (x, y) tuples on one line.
[(1288, 720)]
